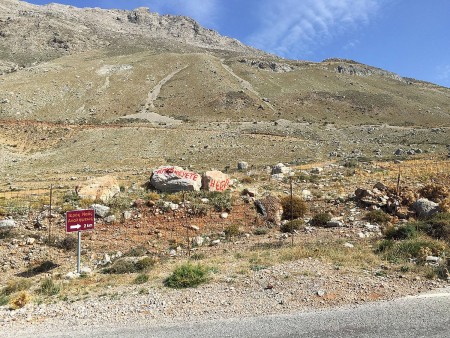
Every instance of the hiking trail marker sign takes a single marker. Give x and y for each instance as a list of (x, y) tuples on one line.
[(80, 220), (77, 221)]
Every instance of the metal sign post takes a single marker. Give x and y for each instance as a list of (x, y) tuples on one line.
[(79, 253), (78, 221)]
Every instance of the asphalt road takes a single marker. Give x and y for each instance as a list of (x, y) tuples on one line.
[(421, 316)]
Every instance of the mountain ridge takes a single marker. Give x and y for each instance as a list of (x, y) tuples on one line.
[(147, 89)]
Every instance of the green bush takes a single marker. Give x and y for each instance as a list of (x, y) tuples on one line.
[(120, 202), (402, 251), (402, 232), (187, 275), (260, 231), (126, 265), (49, 288), (15, 285), (141, 279), (320, 219), (145, 264), (4, 299), (439, 226), (198, 209), (377, 216), (291, 226), (293, 208), (232, 231), (221, 201)]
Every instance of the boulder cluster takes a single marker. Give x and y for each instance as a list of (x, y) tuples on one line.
[(174, 179), (400, 204)]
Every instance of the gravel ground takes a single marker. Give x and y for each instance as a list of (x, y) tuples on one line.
[(281, 289)]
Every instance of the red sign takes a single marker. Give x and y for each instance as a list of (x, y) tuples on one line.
[(80, 220)]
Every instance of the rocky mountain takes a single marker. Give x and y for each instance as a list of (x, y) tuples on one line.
[(129, 89)]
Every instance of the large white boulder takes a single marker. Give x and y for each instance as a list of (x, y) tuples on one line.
[(173, 179)]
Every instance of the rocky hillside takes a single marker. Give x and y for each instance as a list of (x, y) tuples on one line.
[(145, 89), (30, 33)]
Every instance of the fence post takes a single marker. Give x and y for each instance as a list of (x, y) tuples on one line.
[(50, 215), (292, 212)]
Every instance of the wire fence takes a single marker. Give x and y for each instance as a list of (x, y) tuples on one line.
[(178, 225)]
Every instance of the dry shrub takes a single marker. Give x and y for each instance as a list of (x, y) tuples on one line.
[(19, 301), (16, 285), (434, 192), (292, 226), (293, 207), (445, 205), (406, 194), (153, 196)]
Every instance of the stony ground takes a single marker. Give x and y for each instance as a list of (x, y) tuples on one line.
[(252, 274)]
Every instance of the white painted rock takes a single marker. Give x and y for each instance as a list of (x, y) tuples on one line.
[(173, 179), (215, 181)]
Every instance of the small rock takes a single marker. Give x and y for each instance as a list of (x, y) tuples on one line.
[(85, 270), (280, 168), (242, 165), (7, 223), (215, 242), (30, 240), (349, 245), (334, 224), (110, 219), (321, 293), (432, 259), (224, 215), (425, 207), (198, 241), (71, 275), (100, 210)]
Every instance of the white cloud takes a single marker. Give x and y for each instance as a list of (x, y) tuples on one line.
[(205, 12), (292, 28)]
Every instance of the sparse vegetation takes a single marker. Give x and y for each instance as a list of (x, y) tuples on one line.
[(293, 208), (292, 226), (19, 301), (187, 276), (377, 216), (435, 192), (14, 286), (260, 231), (49, 288), (232, 231), (413, 248), (130, 265), (320, 219), (402, 232), (141, 279)]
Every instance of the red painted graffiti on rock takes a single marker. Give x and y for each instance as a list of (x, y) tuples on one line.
[(219, 185), (178, 173)]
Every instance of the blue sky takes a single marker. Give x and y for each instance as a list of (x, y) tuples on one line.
[(408, 37)]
